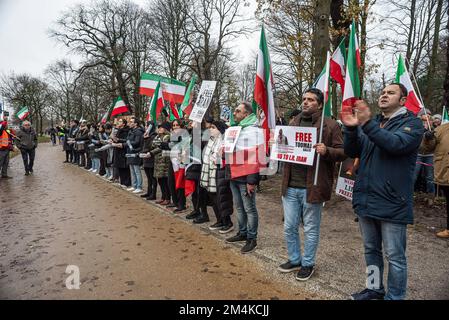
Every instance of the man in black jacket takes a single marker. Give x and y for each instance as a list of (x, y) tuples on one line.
[(119, 158), (27, 143), (133, 147)]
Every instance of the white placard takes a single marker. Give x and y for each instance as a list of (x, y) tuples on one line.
[(230, 139), (346, 179), (294, 144), (203, 101)]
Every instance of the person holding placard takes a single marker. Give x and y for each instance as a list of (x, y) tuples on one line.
[(302, 200)]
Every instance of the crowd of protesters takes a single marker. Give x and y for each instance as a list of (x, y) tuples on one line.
[(392, 149)]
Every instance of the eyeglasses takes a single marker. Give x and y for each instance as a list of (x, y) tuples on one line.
[(175, 125), (238, 110)]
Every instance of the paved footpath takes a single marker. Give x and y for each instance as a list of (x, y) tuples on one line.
[(129, 248)]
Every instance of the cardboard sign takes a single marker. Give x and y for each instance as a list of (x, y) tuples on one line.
[(203, 101), (230, 140), (294, 144), (346, 178)]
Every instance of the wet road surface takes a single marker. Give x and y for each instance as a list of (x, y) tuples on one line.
[(124, 247)]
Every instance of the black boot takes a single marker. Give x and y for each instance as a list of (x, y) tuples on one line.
[(202, 218), (192, 215)]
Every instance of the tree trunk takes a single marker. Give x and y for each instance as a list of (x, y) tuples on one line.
[(434, 56), (446, 79), (411, 30), (321, 35)]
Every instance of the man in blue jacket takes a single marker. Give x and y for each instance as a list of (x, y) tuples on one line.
[(387, 146)]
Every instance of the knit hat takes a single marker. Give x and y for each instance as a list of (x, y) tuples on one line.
[(221, 126), (208, 119), (165, 125), (437, 116)]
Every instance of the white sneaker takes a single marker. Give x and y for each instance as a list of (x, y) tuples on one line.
[(137, 191), (123, 186), (130, 189)]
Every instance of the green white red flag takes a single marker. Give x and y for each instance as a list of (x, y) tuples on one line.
[(119, 107), (173, 90), (105, 117), (23, 113), (264, 88), (157, 104), (187, 103), (323, 83), (402, 76), (338, 64), (352, 90), (445, 116)]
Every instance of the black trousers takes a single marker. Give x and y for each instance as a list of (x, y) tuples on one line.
[(28, 159), (223, 218), (81, 158), (181, 198), (125, 176), (172, 185), (151, 182), (199, 199), (165, 191), (102, 170), (68, 155)]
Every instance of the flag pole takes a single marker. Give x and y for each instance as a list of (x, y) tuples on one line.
[(419, 93), (326, 87)]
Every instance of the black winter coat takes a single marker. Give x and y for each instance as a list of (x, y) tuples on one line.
[(147, 142), (224, 194), (119, 158), (133, 145)]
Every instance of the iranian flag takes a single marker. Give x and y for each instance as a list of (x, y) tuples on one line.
[(338, 65), (352, 90), (173, 90), (119, 107), (105, 117), (157, 104), (249, 154), (187, 103), (323, 84), (264, 87), (445, 117), (402, 76), (174, 114), (23, 113)]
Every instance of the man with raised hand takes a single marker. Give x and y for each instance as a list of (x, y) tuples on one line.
[(387, 146)]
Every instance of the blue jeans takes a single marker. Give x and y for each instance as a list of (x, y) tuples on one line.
[(247, 216), (393, 237), (297, 210), (96, 164), (428, 172), (136, 176)]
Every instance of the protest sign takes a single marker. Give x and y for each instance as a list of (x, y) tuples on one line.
[(231, 137), (294, 144), (346, 178), (203, 101)]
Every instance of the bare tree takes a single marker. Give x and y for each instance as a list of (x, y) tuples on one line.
[(99, 31)]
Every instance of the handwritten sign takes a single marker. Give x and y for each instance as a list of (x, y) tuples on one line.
[(346, 179), (203, 101)]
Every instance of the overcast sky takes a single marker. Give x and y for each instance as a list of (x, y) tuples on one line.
[(24, 42)]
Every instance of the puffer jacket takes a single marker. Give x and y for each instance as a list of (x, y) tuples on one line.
[(224, 194), (161, 157), (133, 146)]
